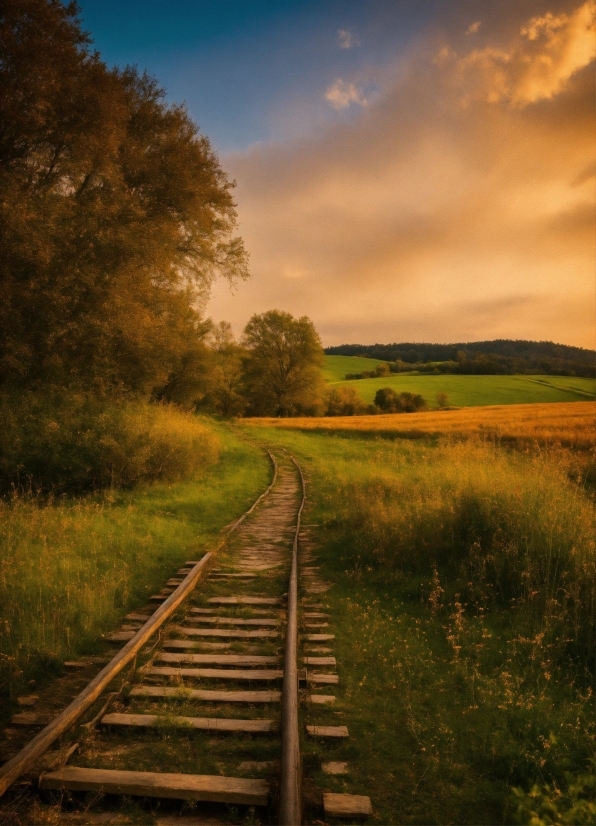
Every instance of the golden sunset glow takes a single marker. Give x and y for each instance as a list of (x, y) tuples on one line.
[(454, 202)]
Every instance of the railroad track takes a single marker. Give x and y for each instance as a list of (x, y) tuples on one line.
[(212, 711)]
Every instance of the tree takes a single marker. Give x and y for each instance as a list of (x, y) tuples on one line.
[(282, 366), (115, 215), (225, 376)]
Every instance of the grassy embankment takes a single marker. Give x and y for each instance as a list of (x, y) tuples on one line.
[(463, 604), (71, 568), (462, 391)]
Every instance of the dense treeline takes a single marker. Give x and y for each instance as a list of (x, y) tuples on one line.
[(115, 216), (501, 356)]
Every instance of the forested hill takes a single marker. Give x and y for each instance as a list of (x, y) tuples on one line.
[(499, 356)]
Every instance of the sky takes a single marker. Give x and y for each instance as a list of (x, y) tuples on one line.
[(406, 170)]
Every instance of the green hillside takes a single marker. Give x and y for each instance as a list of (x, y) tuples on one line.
[(336, 367), (464, 391)]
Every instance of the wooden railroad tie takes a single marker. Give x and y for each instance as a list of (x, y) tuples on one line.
[(230, 633), (214, 673), (328, 731), (206, 695), (267, 621), (245, 600), (200, 723), (218, 659), (346, 805), (212, 788)]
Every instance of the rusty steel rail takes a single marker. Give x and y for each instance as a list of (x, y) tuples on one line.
[(83, 702), (22, 761), (290, 809)]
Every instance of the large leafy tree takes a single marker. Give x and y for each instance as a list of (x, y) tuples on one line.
[(282, 368), (115, 215)]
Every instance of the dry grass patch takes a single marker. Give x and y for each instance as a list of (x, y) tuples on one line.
[(568, 423)]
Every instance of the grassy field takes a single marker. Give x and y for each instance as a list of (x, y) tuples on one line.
[(336, 367), (463, 595), (569, 423), (71, 569), (472, 391)]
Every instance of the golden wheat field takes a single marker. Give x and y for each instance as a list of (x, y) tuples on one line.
[(567, 423)]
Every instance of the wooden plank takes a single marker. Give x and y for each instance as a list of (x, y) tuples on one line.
[(121, 636), (323, 679), (228, 633), (218, 659), (319, 661), (328, 731), (319, 637), (214, 673), (316, 615), (194, 610), (30, 718), (236, 621), (212, 788), (245, 600), (315, 625), (232, 576), (321, 699), (346, 805), (199, 723), (335, 768), (191, 645), (206, 695)]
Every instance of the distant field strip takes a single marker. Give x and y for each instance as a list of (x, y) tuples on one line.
[(570, 423), (336, 367), (476, 391)]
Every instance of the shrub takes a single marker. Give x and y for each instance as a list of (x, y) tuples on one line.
[(387, 400), (72, 442), (345, 401), (442, 401)]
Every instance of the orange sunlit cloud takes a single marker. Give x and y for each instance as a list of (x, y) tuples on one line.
[(456, 204)]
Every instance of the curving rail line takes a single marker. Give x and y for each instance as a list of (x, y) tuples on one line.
[(290, 781)]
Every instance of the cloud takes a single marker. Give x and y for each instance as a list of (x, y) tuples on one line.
[(342, 94), (347, 39), (473, 27), (419, 219), (537, 65)]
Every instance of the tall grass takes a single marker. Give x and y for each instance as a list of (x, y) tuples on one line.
[(570, 424), (503, 528), (58, 442), (70, 569), (463, 605)]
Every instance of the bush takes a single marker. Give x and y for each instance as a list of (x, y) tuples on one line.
[(58, 442), (387, 400), (344, 401), (442, 401)]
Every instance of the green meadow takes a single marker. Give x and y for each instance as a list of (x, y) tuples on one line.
[(70, 568), (467, 391), (462, 599), (336, 367)]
